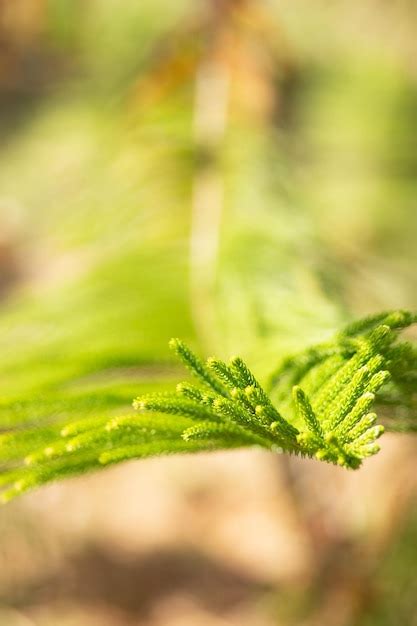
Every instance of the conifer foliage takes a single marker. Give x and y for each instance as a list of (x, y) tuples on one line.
[(321, 403)]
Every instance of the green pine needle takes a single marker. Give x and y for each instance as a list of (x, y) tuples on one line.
[(337, 391)]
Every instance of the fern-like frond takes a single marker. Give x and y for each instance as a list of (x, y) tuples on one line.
[(320, 403)]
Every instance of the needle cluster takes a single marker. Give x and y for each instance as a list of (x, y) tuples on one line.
[(320, 403)]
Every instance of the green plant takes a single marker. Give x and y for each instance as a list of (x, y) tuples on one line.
[(317, 404)]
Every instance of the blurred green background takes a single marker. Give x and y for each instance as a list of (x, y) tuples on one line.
[(241, 174)]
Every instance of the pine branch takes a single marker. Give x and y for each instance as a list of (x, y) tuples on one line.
[(337, 390)]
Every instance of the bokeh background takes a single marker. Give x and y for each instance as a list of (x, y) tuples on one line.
[(241, 174)]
